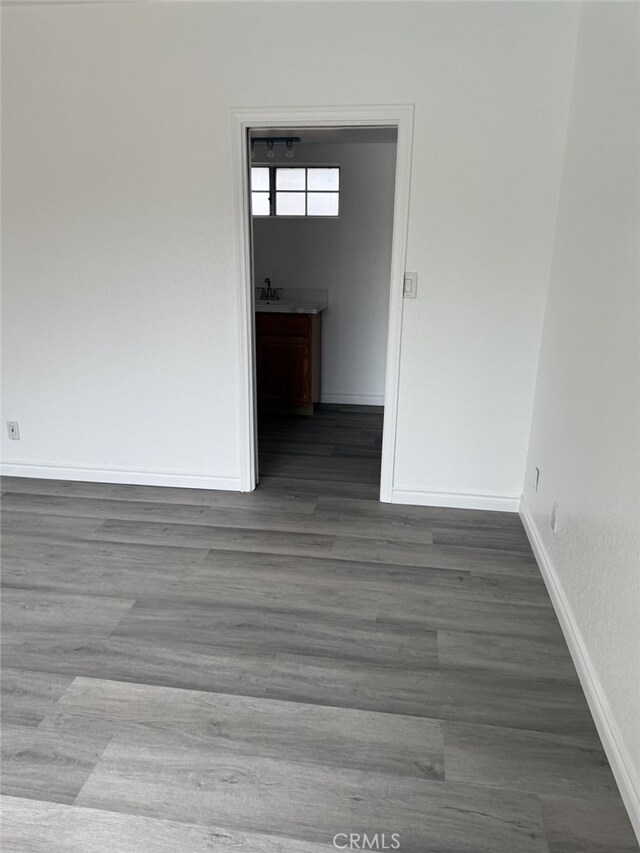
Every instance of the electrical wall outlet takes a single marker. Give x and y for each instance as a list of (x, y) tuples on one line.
[(14, 430), (536, 479), (554, 518)]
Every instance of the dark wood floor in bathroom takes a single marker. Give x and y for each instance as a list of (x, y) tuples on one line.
[(189, 671)]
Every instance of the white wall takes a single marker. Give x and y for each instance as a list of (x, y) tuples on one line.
[(119, 266), (351, 257), (585, 437)]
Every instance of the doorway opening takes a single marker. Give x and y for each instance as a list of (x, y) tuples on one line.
[(324, 203)]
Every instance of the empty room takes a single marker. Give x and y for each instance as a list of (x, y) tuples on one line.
[(320, 426)]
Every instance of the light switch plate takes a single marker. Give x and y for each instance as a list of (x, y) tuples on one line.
[(410, 290)]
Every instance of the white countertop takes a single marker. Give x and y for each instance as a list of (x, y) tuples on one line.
[(283, 306), (294, 300)]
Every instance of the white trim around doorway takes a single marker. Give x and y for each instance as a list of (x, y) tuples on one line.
[(247, 118)]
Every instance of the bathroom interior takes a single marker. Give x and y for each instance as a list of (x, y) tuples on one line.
[(322, 218)]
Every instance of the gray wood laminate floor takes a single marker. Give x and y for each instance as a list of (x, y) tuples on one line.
[(189, 671)]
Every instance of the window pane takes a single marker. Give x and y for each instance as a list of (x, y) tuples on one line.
[(290, 204), (259, 178), (322, 204), (260, 204), (323, 179), (290, 179)]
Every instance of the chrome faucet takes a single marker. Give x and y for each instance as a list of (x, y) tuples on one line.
[(267, 292)]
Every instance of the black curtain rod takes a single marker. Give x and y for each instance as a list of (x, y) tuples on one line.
[(266, 139)]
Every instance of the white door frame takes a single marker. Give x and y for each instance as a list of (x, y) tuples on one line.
[(400, 116)]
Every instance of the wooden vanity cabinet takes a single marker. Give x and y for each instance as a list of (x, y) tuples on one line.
[(288, 360)]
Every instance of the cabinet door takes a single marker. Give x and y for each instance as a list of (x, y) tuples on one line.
[(284, 369)]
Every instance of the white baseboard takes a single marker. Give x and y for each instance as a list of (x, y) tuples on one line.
[(456, 500), (116, 475), (599, 706), (353, 399)]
